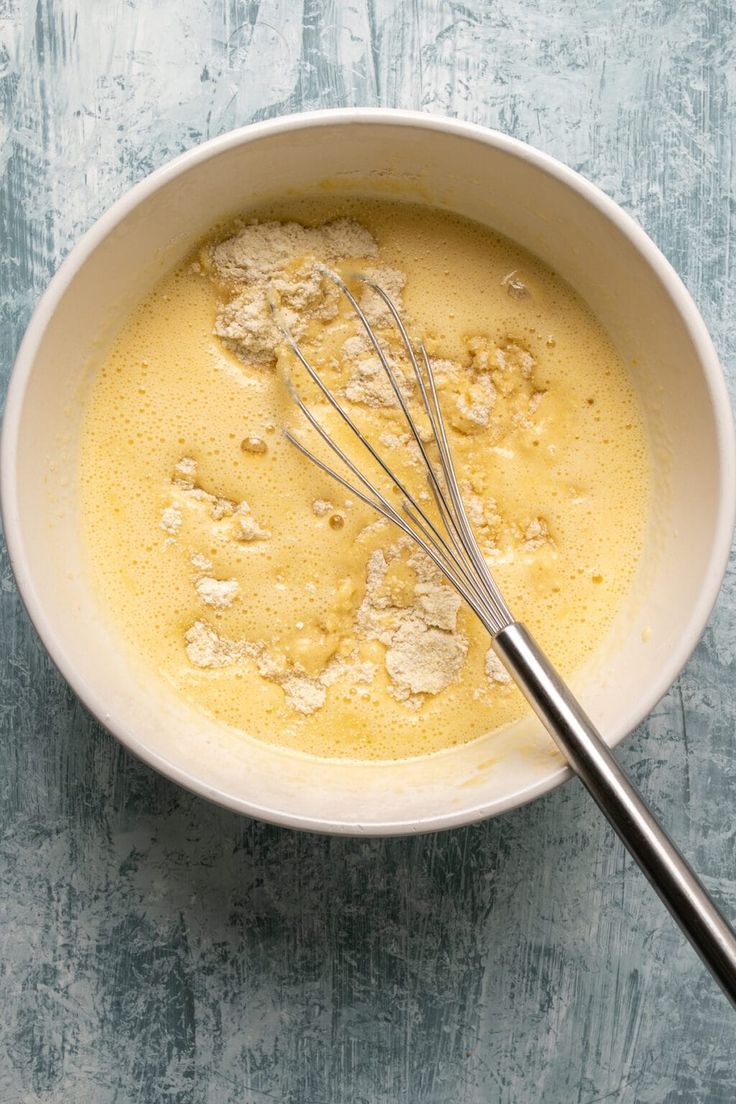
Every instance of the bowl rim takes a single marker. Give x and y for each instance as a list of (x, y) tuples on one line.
[(588, 193)]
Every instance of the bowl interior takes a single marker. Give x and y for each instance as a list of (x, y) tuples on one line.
[(517, 192)]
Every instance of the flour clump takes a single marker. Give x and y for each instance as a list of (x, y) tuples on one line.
[(206, 649), (277, 264), (495, 670), (219, 593), (171, 520), (417, 622)]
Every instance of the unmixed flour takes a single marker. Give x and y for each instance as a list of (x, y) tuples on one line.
[(274, 263), (278, 264), (208, 649), (224, 519), (218, 593), (425, 650)]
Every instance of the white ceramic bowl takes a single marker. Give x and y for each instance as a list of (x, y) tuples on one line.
[(481, 174)]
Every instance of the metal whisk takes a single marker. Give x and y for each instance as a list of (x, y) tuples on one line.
[(449, 541)]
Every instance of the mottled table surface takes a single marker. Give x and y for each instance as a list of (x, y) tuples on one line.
[(155, 948)]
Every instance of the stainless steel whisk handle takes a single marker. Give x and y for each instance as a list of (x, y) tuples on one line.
[(620, 801)]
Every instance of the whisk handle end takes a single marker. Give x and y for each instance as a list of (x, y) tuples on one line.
[(617, 797)]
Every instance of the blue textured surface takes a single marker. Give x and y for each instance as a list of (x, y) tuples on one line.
[(157, 949)]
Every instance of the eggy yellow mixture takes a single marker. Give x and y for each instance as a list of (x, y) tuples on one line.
[(267, 594)]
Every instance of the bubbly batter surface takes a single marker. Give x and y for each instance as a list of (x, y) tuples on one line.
[(264, 592)]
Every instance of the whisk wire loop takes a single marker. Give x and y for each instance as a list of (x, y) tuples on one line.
[(452, 552), (456, 520), (451, 525), (329, 395)]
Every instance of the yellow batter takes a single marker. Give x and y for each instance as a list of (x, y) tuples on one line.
[(266, 594)]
